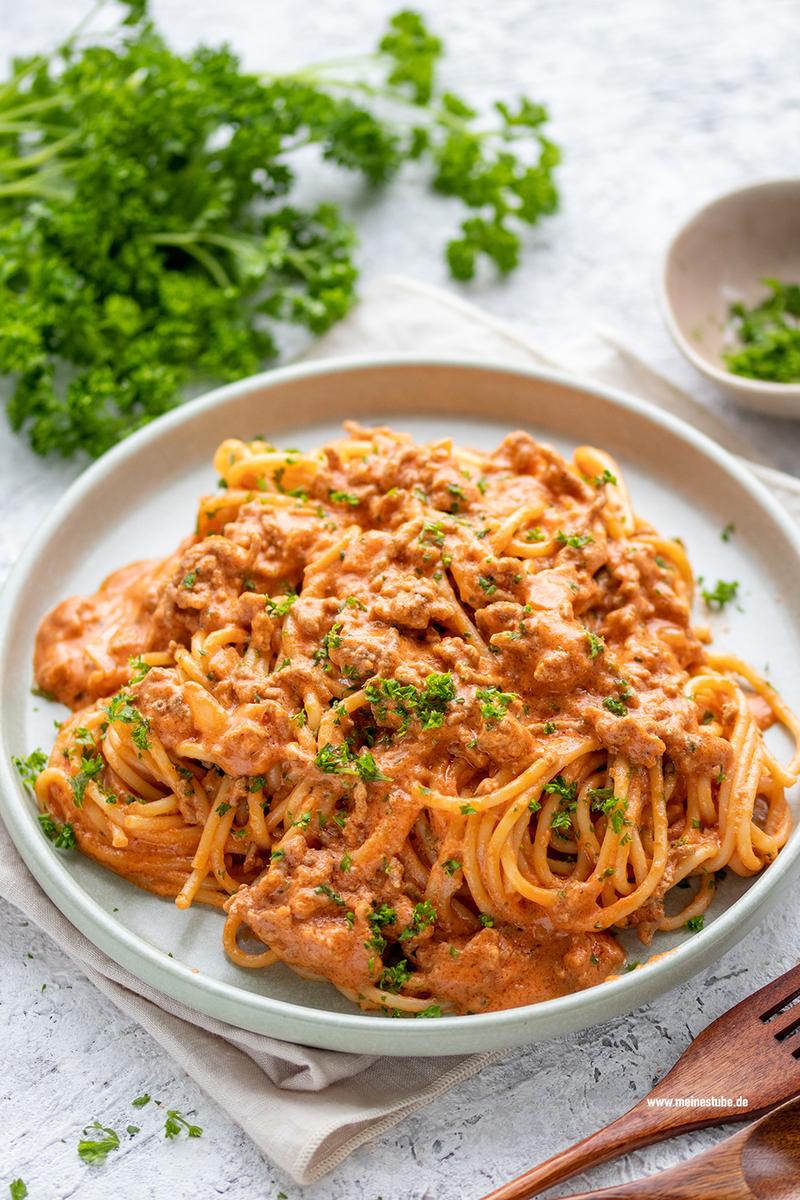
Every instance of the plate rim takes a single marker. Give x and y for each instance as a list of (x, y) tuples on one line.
[(356, 1031)]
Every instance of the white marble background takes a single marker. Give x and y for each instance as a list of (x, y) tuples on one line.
[(658, 105)]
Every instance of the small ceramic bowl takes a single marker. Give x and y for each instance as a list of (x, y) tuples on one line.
[(721, 255)]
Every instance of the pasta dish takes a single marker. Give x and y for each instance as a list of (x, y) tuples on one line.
[(429, 723)]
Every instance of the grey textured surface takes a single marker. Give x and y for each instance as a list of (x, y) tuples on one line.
[(659, 106)]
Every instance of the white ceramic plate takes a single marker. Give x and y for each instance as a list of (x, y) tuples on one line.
[(140, 499)]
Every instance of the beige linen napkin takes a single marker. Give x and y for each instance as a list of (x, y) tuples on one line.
[(308, 1109)]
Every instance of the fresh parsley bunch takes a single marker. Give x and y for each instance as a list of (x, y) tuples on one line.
[(147, 236)]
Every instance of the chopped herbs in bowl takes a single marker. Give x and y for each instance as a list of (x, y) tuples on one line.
[(767, 336), (730, 293)]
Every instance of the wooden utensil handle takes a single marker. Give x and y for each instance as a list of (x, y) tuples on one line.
[(640, 1126)]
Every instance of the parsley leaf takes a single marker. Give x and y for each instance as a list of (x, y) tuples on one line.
[(90, 768), (559, 786), (576, 540), (769, 336), (62, 836), (278, 606), (428, 705), (493, 702), (340, 760), (97, 1150), (30, 768), (122, 709), (175, 1122), (345, 498), (596, 644), (391, 979), (722, 594), (145, 234), (331, 641)]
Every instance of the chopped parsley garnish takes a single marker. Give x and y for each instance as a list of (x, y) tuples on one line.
[(549, 727), (561, 820), (345, 498), (596, 644), (340, 760), (603, 800), (391, 979), (97, 1150), (559, 786), (422, 915), (535, 535), (695, 924), (325, 889), (122, 708), (427, 704), (189, 580), (30, 768), (433, 532), (222, 808), (62, 836), (486, 920), (576, 540), (487, 584), (256, 783), (493, 702), (330, 641), (466, 809), (139, 668), (433, 1010), (278, 606), (606, 477), (90, 768), (352, 602), (175, 1122), (722, 594), (346, 863), (769, 336), (450, 866), (615, 706), (458, 492), (381, 915), (728, 531), (17, 1189), (482, 485), (141, 1101)]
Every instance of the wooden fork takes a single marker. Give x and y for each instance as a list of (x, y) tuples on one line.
[(761, 1162), (748, 1052)]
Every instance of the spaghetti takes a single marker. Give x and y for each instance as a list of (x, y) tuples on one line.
[(429, 723)]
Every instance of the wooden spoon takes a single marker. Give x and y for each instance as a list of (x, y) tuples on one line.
[(748, 1053), (761, 1162)]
